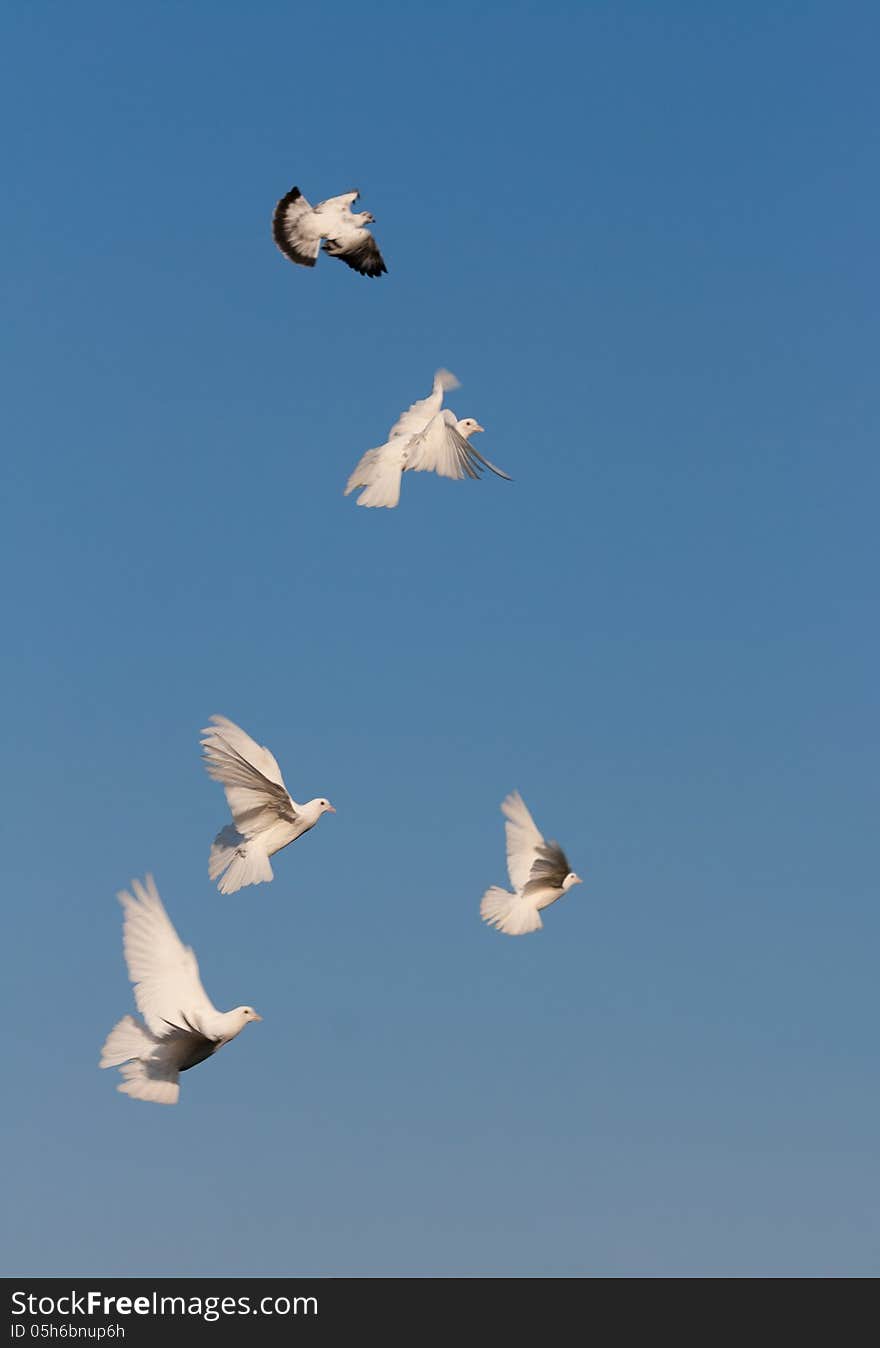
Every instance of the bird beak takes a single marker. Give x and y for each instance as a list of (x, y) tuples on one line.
[(577, 880), (331, 809), (257, 1016), (478, 427)]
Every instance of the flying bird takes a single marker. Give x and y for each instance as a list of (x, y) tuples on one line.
[(424, 439), (265, 817), (539, 872), (298, 229), (183, 1027)]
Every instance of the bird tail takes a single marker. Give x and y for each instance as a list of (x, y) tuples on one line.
[(380, 473), (385, 491), (510, 913), (236, 861), (127, 1039), (444, 380), (157, 1083), (147, 1071), (363, 473)]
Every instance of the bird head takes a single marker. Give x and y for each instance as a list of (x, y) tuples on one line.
[(571, 879), (469, 427), (324, 806), (246, 1013)]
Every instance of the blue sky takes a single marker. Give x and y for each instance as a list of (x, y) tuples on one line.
[(644, 238)]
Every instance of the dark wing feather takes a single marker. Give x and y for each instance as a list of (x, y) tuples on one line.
[(364, 257), (192, 1047), (549, 869)]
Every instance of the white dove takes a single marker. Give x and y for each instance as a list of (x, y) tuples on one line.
[(539, 872), (183, 1027), (425, 440), (298, 229), (265, 816)]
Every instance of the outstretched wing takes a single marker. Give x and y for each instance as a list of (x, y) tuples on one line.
[(549, 869), (523, 840), (358, 250), (250, 775), (164, 971), (440, 448), (295, 229)]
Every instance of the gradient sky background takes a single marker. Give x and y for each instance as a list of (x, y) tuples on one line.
[(644, 236)]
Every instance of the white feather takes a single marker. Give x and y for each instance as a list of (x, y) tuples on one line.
[(425, 438), (538, 870), (523, 839), (379, 471), (236, 861), (266, 817), (183, 1027), (164, 971), (509, 912), (418, 414)]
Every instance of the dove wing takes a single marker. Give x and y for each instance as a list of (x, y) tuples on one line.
[(419, 413), (524, 840), (549, 868), (441, 449), (358, 250), (250, 775), (165, 973)]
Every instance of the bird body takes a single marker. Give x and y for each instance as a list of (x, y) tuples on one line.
[(265, 816), (299, 228), (181, 1027), (539, 873), (425, 438)]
